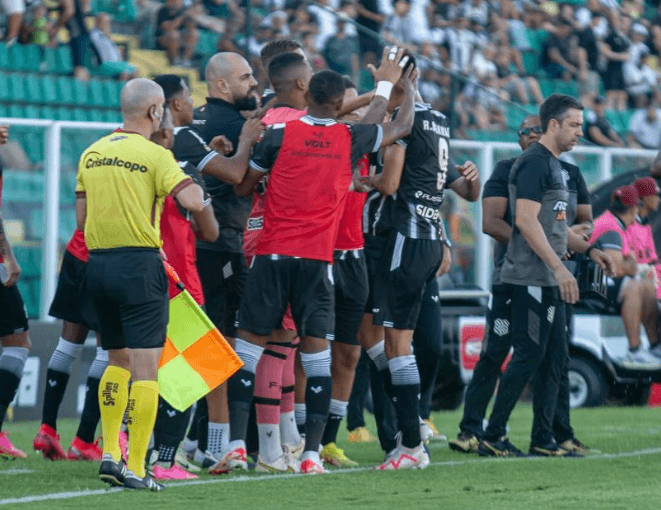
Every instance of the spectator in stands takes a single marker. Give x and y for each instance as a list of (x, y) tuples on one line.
[(597, 128), (13, 11), (400, 27), (460, 42), (71, 15), (372, 14), (588, 57), (315, 58), (520, 86), (223, 8), (642, 82), (342, 51), (108, 55), (645, 128), (326, 21), (174, 31), (476, 10), (615, 48), (555, 58)]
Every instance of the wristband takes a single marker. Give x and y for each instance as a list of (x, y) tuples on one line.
[(590, 248), (383, 89), (207, 202)]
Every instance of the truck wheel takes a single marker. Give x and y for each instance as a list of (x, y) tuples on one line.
[(587, 387)]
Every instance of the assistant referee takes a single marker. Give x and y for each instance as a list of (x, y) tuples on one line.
[(123, 180)]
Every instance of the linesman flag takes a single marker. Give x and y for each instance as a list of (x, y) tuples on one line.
[(196, 357)]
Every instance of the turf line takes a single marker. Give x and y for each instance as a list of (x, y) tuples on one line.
[(246, 478), (17, 471)]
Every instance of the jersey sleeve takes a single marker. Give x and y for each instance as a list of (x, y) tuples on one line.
[(189, 146), (365, 139), (583, 197), (403, 142), (610, 240), (169, 178), (80, 185), (498, 185), (529, 179), (266, 151)]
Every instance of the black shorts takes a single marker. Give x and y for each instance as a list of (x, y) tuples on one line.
[(403, 271), (223, 276), (71, 302), (128, 289), (351, 290), (613, 291), (374, 247), (274, 282), (13, 317)]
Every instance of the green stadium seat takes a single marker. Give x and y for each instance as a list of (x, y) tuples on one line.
[(48, 85), (79, 114), (531, 62), (63, 113), (4, 57), (110, 93), (31, 294), (207, 42), (50, 57), (80, 91), (64, 89), (33, 92), (95, 91), (31, 112), (4, 93), (33, 56), (16, 87), (625, 118), (112, 116), (47, 112), (63, 60), (18, 58), (29, 258), (16, 111), (95, 115), (3, 110)]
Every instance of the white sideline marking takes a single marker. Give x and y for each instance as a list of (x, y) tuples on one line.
[(17, 471), (245, 478)]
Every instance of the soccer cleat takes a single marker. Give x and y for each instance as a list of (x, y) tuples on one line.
[(189, 447), (286, 463), (426, 433), (405, 458), (574, 445), (551, 450), (112, 472), (437, 436), (174, 472), (48, 443), (124, 444), (8, 450), (80, 450), (235, 459), (204, 459), (500, 448), (465, 442), (333, 455), (312, 467), (133, 482), (361, 435), (181, 460), (296, 450)]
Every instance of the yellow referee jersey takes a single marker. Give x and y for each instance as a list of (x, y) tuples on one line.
[(125, 178)]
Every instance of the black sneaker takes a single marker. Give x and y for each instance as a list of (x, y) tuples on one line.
[(465, 443), (574, 445), (551, 450), (111, 471), (132, 481), (500, 448)]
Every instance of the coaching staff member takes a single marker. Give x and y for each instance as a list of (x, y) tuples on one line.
[(123, 180), (538, 281)]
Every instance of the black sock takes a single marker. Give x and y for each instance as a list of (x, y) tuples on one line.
[(171, 425), (387, 382), (91, 413), (332, 428), (634, 349), (317, 402), (8, 385), (240, 390), (56, 385), (407, 408)]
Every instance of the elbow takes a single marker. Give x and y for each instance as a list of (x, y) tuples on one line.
[(211, 233), (235, 178)]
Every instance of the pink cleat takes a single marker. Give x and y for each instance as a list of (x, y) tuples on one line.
[(80, 450), (173, 473), (8, 450), (124, 444), (48, 443)]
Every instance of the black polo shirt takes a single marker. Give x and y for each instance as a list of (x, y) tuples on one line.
[(218, 117)]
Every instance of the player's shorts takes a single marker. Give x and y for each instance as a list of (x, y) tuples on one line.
[(71, 302), (129, 291), (351, 290), (274, 282), (614, 289), (403, 271), (374, 247), (13, 317), (223, 276), (288, 319)]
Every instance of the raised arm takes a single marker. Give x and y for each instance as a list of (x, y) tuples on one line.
[(385, 76)]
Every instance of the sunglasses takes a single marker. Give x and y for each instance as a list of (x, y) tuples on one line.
[(527, 131)]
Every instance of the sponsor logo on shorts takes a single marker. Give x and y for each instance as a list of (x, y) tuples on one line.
[(95, 159), (429, 213), (430, 198), (108, 394), (316, 389), (255, 223)]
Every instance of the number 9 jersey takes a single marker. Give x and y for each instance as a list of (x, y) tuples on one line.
[(414, 210)]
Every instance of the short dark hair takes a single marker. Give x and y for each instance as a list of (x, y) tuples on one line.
[(283, 64), (326, 86), (556, 107), (171, 85), (274, 48), (411, 61), (348, 83)]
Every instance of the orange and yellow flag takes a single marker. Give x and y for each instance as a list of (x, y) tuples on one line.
[(196, 357)]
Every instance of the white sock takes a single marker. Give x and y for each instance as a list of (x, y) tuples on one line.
[(188, 445), (288, 429), (233, 445), (218, 437), (299, 412), (312, 455), (270, 448)]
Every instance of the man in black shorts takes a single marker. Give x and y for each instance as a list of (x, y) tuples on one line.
[(123, 180), (14, 335), (309, 159), (538, 282)]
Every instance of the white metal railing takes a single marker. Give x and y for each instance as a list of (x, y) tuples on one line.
[(52, 145)]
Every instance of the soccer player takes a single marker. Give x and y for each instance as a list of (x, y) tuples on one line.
[(71, 305), (123, 180), (14, 335), (310, 164), (539, 282)]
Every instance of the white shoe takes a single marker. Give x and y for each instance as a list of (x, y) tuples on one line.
[(406, 458), (204, 459), (656, 350), (426, 433), (641, 359), (189, 447), (295, 450), (234, 459), (313, 467), (283, 464)]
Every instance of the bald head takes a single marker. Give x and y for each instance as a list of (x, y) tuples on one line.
[(138, 97), (229, 77), (221, 65)]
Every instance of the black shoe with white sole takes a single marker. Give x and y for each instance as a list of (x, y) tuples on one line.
[(111, 471), (132, 481)]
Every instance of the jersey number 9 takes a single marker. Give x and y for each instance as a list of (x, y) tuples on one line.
[(443, 155)]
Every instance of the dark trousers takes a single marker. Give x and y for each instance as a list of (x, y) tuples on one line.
[(495, 348), (562, 430), (539, 340), (361, 386)]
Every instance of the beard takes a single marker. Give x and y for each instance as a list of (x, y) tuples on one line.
[(248, 102)]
